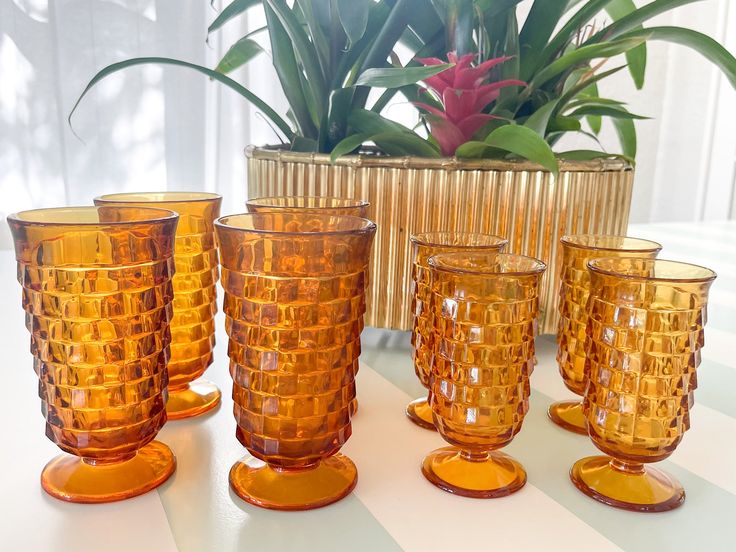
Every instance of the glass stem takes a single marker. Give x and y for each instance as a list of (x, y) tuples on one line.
[(632, 468), (108, 461), (474, 455)]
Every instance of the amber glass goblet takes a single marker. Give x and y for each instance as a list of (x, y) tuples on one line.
[(425, 245), (644, 335), (97, 295), (317, 205), (195, 295), (294, 303), (485, 310), (574, 289)]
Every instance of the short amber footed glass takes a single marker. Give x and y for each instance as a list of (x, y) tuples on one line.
[(644, 335), (319, 205), (195, 295), (294, 303), (425, 245), (97, 294), (485, 310), (576, 251)]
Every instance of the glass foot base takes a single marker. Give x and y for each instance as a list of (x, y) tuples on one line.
[(197, 398), (490, 475), (569, 415), (72, 479), (420, 413), (638, 488), (298, 489)]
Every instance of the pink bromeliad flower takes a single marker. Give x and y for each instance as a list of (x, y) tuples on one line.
[(463, 98)]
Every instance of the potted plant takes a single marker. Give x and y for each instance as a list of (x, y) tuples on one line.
[(494, 97)]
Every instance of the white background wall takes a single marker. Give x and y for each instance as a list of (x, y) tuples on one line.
[(154, 128)]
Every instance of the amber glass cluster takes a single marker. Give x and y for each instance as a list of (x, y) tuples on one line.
[(195, 295), (294, 303), (97, 292), (574, 292), (425, 245), (644, 336), (485, 310)]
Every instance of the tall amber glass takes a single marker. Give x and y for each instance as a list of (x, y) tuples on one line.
[(644, 335), (323, 205), (320, 205), (485, 310), (294, 303), (97, 295), (425, 245), (195, 295), (574, 289)]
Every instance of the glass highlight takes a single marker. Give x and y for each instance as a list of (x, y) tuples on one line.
[(485, 309), (425, 245), (294, 304), (644, 335), (97, 293), (574, 290), (195, 295)]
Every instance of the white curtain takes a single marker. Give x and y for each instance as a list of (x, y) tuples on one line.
[(154, 128)]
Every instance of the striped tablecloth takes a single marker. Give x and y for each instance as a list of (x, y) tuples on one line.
[(393, 507)]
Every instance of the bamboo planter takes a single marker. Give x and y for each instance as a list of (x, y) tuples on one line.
[(516, 200)]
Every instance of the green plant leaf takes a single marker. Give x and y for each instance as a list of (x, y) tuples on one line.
[(605, 111), (383, 44), (239, 54), (524, 142), (583, 55), (337, 118), (459, 20), (635, 19), (701, 43), (589, 155), (396, 77), (367, 122), (232, 10), (636, 58), (227, 81), (404, 143), (538, 120), (478, 150), (353, 17), (565, 35), (563, 124), (626, 132), (299, 143), (316, 15), (581, 85), (491, 8), (303, 49), (538, 27), (348, 145), (290, 76)]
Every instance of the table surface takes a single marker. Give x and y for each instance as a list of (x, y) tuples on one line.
[(393, 507)]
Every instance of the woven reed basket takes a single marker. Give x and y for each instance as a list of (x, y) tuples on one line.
[(517, 200)]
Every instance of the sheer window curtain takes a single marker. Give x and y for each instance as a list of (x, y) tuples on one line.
[(154, 128)]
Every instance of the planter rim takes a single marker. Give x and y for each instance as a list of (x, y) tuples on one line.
[(277, 153)]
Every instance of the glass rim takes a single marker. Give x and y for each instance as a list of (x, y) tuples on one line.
[(539, 266), (368, 225), (569, 239), (592, 265), (176, 196), (162, 215), (350, 202), (423, 238)]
